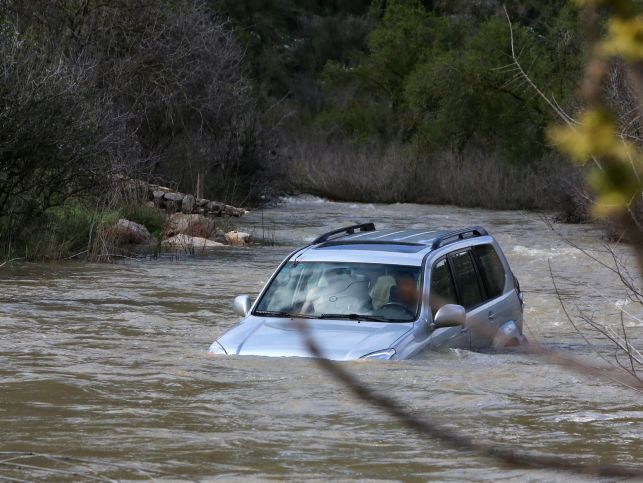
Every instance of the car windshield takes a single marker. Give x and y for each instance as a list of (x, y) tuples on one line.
[(359, 291)]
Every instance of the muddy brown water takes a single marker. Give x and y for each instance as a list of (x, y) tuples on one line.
[(106, 364)]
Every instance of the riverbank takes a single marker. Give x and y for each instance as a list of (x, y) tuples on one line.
[(164, 221), (140, 219)]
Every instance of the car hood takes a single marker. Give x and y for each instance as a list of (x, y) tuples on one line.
[(338, 339)]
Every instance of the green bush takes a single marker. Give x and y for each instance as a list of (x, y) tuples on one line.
[(56, 234), (74, 229), (444, 83)]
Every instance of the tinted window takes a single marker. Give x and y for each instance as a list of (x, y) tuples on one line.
[(466, 279), (492, 271), (442, 289)]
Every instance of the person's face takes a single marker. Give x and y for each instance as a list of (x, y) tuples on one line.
[(407, 289)]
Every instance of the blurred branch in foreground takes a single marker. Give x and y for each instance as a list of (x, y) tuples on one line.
[(427, 428)]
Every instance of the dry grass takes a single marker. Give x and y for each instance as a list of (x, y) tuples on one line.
[(344, 172)]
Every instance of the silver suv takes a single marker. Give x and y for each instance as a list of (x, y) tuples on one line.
[(383, 294)]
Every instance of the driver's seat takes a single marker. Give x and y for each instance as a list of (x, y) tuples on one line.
[(380, 291)]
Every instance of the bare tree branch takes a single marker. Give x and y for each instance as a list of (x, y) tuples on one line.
[(427, 428)]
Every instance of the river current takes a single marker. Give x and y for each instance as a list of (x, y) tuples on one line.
[(104, 373)]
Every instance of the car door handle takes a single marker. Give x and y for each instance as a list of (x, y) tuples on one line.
[(491, 315)]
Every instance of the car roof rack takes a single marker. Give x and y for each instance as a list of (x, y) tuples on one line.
[(349, 230), (453, 236)]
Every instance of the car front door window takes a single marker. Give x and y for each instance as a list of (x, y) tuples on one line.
[(466, 279), (442, 288)]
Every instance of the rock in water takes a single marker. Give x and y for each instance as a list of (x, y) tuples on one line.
[(188, 242), (126, 232), (237, 238), (193, 225)]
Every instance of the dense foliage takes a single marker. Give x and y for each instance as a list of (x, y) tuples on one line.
[(381, 100), (157, 90), (432, 79), (426, 73)]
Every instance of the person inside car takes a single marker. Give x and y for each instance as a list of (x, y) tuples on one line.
[(405, 292)]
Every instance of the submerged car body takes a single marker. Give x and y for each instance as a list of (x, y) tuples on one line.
[(384, 294)]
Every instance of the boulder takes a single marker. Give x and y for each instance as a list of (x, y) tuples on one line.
[(187, 205), (218, 235), (237, 238), (193, 225), (126, 232), (233, 211), (215, 206), (162, 189), (157, 198), (189, 242), (173, 197), (172, 201)]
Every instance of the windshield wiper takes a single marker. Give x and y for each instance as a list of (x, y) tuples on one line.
[(282, 313), (370, 318)]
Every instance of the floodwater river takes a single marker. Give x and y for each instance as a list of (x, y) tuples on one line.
[(106, 365)]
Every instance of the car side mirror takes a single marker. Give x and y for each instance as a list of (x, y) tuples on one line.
[(449, 315), (242, 305)]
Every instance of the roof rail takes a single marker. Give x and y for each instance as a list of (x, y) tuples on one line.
[(472, 232), (349, 230)]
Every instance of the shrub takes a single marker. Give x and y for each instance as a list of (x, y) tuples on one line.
[(349, 172), (58, 233), (58, 138), (91, 90)]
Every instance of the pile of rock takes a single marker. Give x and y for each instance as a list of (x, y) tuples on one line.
[(190, 233), (192, 225), (189, 225), (173, 201)]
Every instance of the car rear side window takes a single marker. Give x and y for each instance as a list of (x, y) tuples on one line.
[(466, 279), (442, 288), (491, 270)]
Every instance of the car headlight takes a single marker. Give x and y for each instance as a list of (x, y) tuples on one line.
[(216, 348), (385, 354)]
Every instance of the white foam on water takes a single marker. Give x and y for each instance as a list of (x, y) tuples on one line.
[(544, 253), (592, 416), (302, 199)]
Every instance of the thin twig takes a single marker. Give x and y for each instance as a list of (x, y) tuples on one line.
[(9, 261), (424, 427), (566, 118)]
